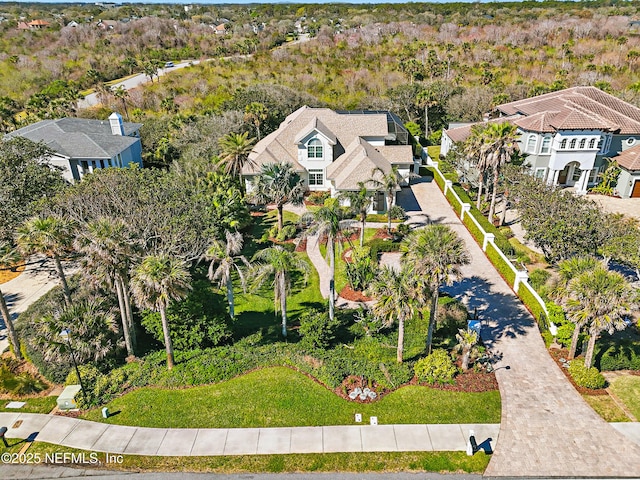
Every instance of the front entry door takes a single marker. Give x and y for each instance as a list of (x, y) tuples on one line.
[(562, 177), (635, 192)]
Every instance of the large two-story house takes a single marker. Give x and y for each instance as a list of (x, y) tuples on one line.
[(568, 136), (79, 146), (334, 150)]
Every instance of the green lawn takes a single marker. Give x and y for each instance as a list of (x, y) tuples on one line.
[(326, 462), (627, 389), (33, 405), (279, 397), (606, 408)]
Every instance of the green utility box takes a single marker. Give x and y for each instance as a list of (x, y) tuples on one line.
[(67, 399)]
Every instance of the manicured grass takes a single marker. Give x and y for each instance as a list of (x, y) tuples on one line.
[(434, 152), (279, 397), (627, 389), (326, 462), (33, 405), (606, 408), (381, 218)]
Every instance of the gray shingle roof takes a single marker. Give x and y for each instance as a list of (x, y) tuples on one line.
[(80, 138)]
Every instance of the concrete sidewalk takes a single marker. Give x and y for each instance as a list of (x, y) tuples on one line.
[(100, 437)]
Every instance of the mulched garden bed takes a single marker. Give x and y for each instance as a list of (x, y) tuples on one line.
[(302, 245), (564, 353), (382, 233), (471, 382), (349, 293)]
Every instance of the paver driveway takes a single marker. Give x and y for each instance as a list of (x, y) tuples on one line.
[(547, 430)]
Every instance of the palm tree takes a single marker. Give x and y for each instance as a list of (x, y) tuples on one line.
[(122, 94), (107, 248), (256, 113), (235, 150), (360, 201), (400, 295), (435, 252), (278, 263), (475, 148), (278, 183), (327, 222), (157, 281), (8, 257), (600, 299), (225, 255), (501, 140), (50, 236), (390, 182), (466, 341)]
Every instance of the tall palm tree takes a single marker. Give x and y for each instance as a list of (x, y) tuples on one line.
[(328, 222), (568, 270), (225, 254), (8, 257), (390, 182), (278, 183), (602, 300), (256, 113), (157, 281), (360, 200), (50, 236), (107, 248), (122, 94), (501, 145), (235, 149), (476, 149), (277, 263), (400, 296), (435, 252)]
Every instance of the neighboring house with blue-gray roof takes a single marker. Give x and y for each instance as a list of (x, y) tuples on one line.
[(81, 145)]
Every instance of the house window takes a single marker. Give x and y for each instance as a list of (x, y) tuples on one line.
[(316, 177), (583, 143), (593, 177), (631, 141), (531, 143), (314, 148), (563, 144), (540, 173), (572, 144), (592, 143), (119, 156), (378, 202), (576, 173), (546, 145)]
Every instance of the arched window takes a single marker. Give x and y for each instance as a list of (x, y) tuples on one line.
[(583, 142), (563, 144), (546, 145), (572, 144), (314, 148), (592, 143), (531, 143)]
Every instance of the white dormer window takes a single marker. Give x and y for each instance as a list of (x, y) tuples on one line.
[(531, 143), (314, 148), (563, 144), (546, 145), (583, 143), (572, 144), (592, 143)]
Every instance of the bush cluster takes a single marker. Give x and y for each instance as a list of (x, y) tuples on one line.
[(318, 197), (436, 368), (380, 245), (397, 213), (623, 354), (586, 377)]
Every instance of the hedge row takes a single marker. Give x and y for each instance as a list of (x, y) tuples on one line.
[(503, 267), (473, 229), (534, 307)]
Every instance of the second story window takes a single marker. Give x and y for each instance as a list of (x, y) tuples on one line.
[(563, 144), (314, 148), (572, 144), (546, 145), (531, 143), (592, 143), (583, 142)]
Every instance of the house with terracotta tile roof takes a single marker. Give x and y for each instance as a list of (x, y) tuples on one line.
[(334, 150), (568, 135)]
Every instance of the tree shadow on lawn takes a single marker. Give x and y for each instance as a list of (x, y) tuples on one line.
[(502, 315)]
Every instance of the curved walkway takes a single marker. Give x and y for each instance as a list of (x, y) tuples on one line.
[(101, 437), (547, 430)]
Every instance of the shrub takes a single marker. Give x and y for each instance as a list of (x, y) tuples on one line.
[(316, 328), (586, 377), (538, 278), (379, 245), (361, 270), (534, 306), (436, 368), (505, 268), (198, 321), (565, 332), (617, 354), (397, 213), (403, 229), (14, 383), (288, 232), (318, 197)]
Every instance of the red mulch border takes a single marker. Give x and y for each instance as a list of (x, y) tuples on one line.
[(349, 293)]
